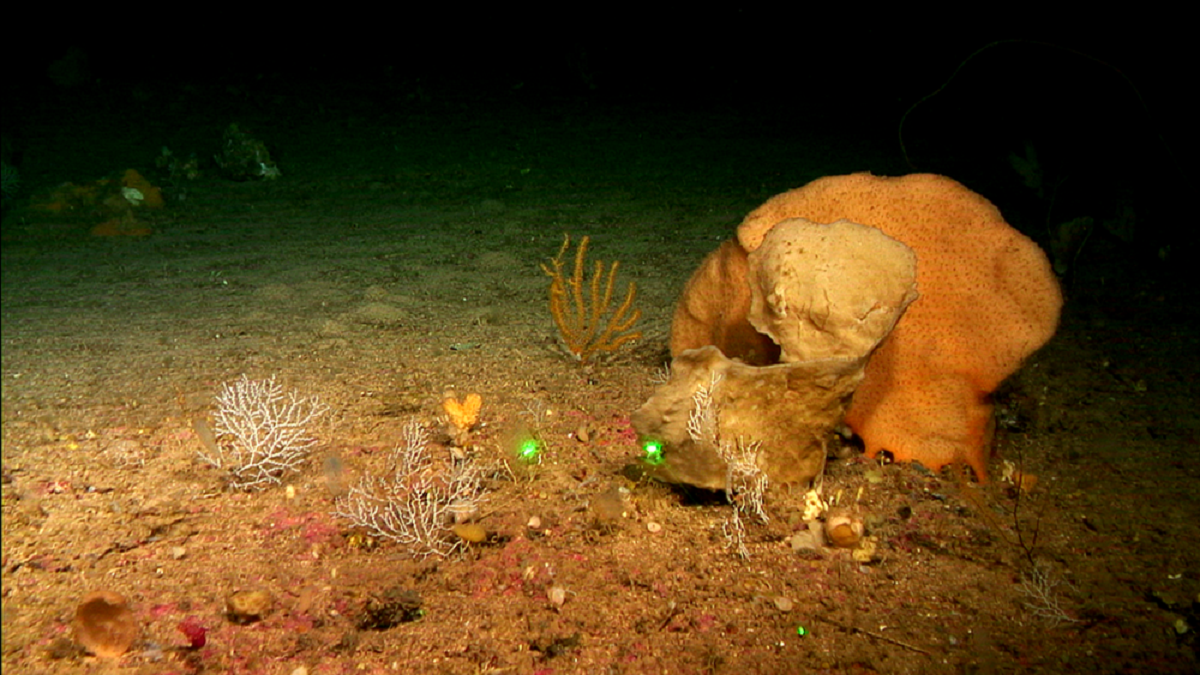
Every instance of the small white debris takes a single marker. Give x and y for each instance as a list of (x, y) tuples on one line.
[(813, 505), (133, 195), (557, 595), (807, 540), (653, 527)]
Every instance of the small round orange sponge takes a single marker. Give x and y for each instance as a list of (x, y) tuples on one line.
[(105, 625), (988, 299)]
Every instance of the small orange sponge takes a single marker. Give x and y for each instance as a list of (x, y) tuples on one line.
[(988, 299)]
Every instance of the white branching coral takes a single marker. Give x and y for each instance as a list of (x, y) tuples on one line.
[(745, 488), (419, 502), (702, 420), (745, 482), (261, 432), (1040, 588)]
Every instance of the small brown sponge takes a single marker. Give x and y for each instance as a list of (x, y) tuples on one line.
[(827, 294), (782, 416), (988, 300), (104, 624)]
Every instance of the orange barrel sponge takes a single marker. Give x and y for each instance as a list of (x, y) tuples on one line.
[(988, 299)]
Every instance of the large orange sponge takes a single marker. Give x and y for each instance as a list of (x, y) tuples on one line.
[(988, 299)]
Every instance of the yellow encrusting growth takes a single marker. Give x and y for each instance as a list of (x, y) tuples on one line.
[(465, 414), (584, 321)]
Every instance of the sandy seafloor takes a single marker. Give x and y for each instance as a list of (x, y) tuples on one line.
[(397, 260)]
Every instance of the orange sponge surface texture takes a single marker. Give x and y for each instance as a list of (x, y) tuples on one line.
[(714, 309), (988, 299)]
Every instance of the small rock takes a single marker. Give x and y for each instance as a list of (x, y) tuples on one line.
[(177, 552), (391, 608), (534, 523), (463, 511), (843, 531), (807, 540), (245, 607), (609, 507), (866, 550), (557, 595), (653, 527), (784, 604), (920, 468)]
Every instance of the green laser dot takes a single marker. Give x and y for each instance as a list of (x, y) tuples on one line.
[(529, 450), (801, 631), (654, 452)]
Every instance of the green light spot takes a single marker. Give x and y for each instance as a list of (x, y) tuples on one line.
[(654, 452), (530, 451), (801, 631)]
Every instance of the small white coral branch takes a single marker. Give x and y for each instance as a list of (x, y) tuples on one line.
[(412, 456), (745, 488), (1042, 599), (743, 478), (735, 533), (416, 506), (702, 420), (745, 482), (261, 433)]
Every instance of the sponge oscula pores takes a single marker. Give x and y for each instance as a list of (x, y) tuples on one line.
[(829, 291)]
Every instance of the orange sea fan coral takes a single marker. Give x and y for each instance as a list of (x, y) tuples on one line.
[(988, 300), (586, 321)]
